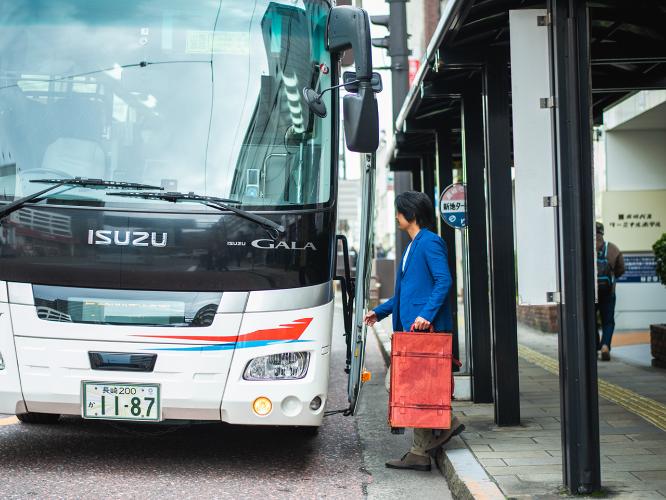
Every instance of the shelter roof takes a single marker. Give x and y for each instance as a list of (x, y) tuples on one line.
[(627, 49)]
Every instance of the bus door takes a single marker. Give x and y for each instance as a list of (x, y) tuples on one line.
[(357, 339)]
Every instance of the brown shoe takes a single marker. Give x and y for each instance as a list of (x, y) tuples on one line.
[(605, 353), (410, 461), (456, 428)]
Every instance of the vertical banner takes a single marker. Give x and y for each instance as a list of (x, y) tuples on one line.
[(533, 156)]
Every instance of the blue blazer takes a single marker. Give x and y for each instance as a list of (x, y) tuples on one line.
[(423, 287)]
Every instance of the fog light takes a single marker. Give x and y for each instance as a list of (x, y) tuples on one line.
[(2, 362), (262, 406), (315, 404)]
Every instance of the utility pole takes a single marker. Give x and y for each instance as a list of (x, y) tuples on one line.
[(396, 43)]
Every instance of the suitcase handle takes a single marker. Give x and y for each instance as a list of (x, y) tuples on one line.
[(431, 329)]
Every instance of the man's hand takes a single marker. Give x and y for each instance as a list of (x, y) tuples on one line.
[(370, 318), (421, 324)]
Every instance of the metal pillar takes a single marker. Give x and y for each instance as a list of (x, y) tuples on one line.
[(399, 53), (502, 260), (417, 178), (477, 255), (577, 340), (402, 181), (428, 166), (448, 234)]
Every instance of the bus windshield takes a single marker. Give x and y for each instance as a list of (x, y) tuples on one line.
[(201, 96)]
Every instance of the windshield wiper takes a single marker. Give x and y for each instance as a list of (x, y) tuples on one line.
[(210, 201), (76, 181)]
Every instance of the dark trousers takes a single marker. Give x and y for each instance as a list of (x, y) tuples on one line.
[(606, 309)]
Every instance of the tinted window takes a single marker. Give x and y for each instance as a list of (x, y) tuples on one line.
[(125, 307)]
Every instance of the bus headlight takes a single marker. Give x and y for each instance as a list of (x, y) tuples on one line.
[(284, 366)]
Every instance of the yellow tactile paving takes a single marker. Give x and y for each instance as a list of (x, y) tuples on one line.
[(8, 421), (646, 408)]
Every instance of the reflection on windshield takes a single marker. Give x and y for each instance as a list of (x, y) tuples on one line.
[(202, 96)]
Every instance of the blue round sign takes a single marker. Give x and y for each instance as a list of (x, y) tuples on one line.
[(453, 207)]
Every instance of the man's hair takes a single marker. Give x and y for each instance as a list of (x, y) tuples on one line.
[(600, 228), (414, 205)]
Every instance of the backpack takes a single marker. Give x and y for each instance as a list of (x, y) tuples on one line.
[(605, 276)]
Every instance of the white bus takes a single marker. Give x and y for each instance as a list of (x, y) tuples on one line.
[(168, 176)]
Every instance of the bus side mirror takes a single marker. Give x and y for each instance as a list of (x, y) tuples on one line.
[(349, 27)]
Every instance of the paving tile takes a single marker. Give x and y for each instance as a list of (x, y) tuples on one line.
[(526, 470), (479, 447), (511, 454), (614, 438), (548, 441), (640, 495), (534, 412), (492, 462), (658, 461), (656, 451), (627, 451), (634, 467), (508, 446), (513, 487), (508, 482), (552, 478), (617, 477), (547, 460), (497, 439), (635, 484), (650, 475), (555, 426)]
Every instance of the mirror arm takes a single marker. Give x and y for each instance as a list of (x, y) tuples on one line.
[(338, 86)]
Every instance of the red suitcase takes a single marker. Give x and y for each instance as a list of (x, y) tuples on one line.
[(421, 380)]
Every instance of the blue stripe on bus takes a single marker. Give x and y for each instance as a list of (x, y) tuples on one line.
[(229, 346)]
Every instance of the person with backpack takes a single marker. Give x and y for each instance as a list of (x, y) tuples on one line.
[(610, 266)]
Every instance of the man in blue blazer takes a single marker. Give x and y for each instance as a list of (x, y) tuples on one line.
[(422, 285)]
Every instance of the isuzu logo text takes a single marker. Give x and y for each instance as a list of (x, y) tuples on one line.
[(127, 238), (286, 245)]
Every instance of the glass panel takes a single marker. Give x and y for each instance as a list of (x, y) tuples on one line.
[(201, 96), (125, 307), (363, 274)]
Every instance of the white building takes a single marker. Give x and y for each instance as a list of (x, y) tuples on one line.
[(633, 202)]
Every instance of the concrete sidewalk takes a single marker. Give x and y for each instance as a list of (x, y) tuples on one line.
[(526, 461)]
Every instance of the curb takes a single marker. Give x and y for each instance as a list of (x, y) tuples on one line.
[(466, 478)]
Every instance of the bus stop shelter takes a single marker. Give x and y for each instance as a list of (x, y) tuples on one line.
[(461, 114)]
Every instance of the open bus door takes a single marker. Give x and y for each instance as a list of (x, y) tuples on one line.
[(349, 28), (357, 340)]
